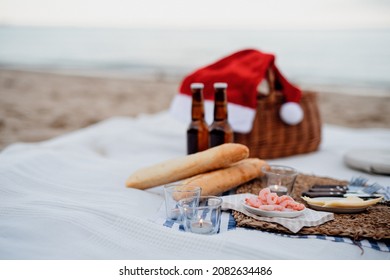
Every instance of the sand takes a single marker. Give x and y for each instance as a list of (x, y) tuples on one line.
[(36, 106)]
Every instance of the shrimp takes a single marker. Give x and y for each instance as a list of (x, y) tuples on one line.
[(284, 198), (272, 199), (295, 206), (271, 208), (299, 206), (290, 204), (278, 208), (268, 201), (253, 201), (264, 193), (286, 203)]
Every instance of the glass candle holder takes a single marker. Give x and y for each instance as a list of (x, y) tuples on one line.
[(280, 179), (204, 218), (174, 193)]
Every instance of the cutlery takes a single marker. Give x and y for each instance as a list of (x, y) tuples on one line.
[(357, 187)]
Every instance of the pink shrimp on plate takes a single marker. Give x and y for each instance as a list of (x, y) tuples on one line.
[(289, 204), (264, 193), (286, 202), (284, 198), (272, 199), (295, 206), (271, 207), (253, 201), (299, 206), (267, 207), (268, 201)]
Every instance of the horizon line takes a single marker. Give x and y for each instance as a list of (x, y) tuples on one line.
[(211, 28)]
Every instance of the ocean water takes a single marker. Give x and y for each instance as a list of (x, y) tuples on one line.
[(345, 57)]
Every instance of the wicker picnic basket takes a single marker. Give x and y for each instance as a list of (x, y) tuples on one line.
[(271, 137)]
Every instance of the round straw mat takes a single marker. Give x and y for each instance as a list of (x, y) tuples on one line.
[(372, 223)]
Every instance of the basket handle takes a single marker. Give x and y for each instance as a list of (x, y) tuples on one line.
[(270, 76), (277, 82)]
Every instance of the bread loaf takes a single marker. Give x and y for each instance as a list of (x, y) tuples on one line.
[(184, 167), (219, 181)]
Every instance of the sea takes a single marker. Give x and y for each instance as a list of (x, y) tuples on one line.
[(358, 58)]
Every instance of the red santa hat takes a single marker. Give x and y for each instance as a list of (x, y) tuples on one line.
[(243, 71)]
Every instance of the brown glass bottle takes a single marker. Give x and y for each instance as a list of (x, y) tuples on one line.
[(220, 130), (197, 132)]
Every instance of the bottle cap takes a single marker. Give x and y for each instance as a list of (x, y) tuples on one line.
[(220, 85), (197, 86)]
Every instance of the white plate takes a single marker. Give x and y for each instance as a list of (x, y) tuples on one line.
[(369, 160), (338, 210), (282, 214)]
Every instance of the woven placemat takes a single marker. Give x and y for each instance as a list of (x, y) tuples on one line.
[(372, 223)]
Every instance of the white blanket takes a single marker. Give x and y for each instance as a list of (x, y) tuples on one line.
[(66, 199)]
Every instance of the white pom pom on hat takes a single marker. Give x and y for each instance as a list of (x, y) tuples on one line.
[(291, 113)]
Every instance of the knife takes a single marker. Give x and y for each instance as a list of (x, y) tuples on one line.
[(338, 194), (323, 194), (341, 191), (329, 188)]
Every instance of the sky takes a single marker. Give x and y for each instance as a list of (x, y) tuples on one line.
[(264, 14)]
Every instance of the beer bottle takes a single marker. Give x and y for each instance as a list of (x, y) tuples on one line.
[(197, 132), (220, 130)]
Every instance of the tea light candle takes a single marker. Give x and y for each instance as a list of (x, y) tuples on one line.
[(202, 227), (279, 190)]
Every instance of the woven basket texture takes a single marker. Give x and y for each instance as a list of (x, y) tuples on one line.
[(272, 138), (373, 223)]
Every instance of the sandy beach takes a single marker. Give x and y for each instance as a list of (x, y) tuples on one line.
[(36, 106)]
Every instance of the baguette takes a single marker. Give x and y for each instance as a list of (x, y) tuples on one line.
[(184, 167), (219, 181)]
